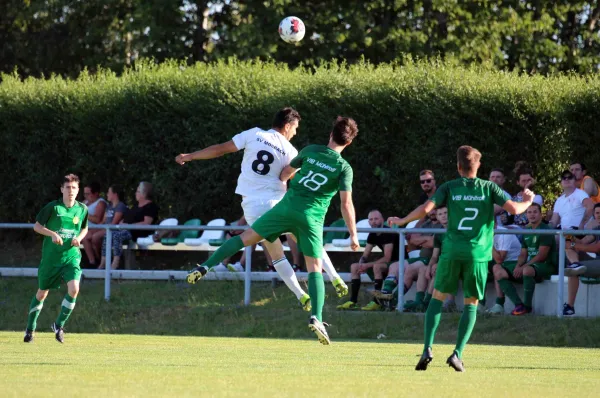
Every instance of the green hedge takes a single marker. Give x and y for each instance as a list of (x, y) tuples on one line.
[(129, 128)]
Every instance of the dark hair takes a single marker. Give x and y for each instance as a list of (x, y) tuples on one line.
[(441, 207), (70, 178), (583, 168), (375, 209), (522, 168), (344, 130), (596, 206), (467, 158), (423, 172), (566, 173), (285, 116), (117, 190), (499, 170), (537, 205), (147, 189), (94, 186)]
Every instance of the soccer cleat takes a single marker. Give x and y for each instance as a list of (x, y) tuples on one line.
[(340, 287), (425, 360), (575, 269), (237, 267), (196, 274), (382, 294), (29, 336), (348, 305), (521, 309), (497, 309), (372, 306), (568, 310), (414, 306), (455, 362), (305, 301), (59, 333), (220, 268), (319, 328)]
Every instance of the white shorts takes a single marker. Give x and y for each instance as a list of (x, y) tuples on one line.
[(255, 207)]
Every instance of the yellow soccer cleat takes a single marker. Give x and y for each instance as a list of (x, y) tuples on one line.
[(348, 305), (305, 301), (372, 306), (340, 287)]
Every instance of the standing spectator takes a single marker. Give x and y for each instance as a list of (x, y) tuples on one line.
[(428, 185), (114, 213), (497, 175), (388, 243), (574, 208), (584, 181), (525, 180), (144, 212)]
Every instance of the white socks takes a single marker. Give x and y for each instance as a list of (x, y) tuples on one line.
[(328, 267), (286, 272)]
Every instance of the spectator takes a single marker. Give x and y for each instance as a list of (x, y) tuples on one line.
[(536, 262), (428, 185), (113, 215), (497, 175), (588, 267), (145, 212), (584, 181), (505, 252), (525, 180), (388, 243), (96, 209), (574, 208)]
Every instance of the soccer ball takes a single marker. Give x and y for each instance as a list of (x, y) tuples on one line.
[(291, 29)]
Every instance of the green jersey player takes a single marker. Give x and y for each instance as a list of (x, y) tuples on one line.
[(64, 223), (323, 172), (467, 244)]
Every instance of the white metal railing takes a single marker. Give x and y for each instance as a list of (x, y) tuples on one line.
[(401, 232)]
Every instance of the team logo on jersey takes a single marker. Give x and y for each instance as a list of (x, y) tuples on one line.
[(75, 220)]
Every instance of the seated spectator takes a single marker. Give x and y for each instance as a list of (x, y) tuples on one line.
[(113, 215), (415, 268), (536, 262), (582, 264), (574, 208), (145, 212), (506, 251), (388, 243), (497, 176), (525, 180), (584, 181), (96, 209)]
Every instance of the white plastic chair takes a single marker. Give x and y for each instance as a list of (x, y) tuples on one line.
[(207, 235), (361, 235), (148, 241)]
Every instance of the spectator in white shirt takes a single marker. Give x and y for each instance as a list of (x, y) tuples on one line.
[(574, 208)]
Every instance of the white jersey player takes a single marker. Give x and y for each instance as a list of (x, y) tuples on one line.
[(266, 153)]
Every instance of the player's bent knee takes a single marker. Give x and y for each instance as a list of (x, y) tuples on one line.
[(528, 271), (41, 294)]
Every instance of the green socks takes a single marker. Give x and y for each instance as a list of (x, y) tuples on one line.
[(427, 298), (227, 249), (35, 307), (389, 284), (465, 327), (65, 311), (528, 289), (316, 291), (509, 289), (432, 321), (419, 297)]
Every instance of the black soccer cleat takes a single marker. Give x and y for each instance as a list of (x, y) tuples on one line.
[(29, 336), (425, 360), (59, 333), (319, 328), (196, 274), (455, 362)]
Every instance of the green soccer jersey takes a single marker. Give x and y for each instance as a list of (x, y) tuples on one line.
[(66, 222), (470, 203), (322, 173), (533, 242)]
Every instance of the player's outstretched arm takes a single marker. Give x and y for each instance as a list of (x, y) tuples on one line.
[(40, 229), (519, 207), (287, 173), (349, 217), (213, 151), (416, 214)]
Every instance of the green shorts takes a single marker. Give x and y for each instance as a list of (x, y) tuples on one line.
[(281, 219), (424, 260), (543, 271), (50, 275), (473, 276)]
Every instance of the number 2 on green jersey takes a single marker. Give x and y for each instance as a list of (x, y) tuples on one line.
[(475, 212)]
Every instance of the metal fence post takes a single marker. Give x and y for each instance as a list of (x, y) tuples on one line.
[(107, 264), (561, 274), (247, 275), (400, 307)]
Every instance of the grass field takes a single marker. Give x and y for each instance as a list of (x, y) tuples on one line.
[(127, 365)]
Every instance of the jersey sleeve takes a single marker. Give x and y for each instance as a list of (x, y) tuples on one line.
[(498, 196), (546, 240), (44, 215), (437, 241), (84, 223), (371, 239), (441, 195), (241, 140), (346, 178), (296, 162)]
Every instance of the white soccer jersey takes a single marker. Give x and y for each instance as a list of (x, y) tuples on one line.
[(266, 153)]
